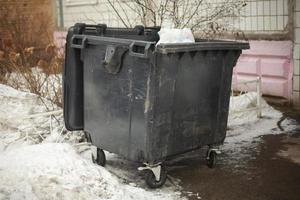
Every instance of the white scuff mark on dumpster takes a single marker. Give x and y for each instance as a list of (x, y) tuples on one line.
[(33, 168), (147, 100)]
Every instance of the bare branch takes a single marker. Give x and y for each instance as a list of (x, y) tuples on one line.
[(199, 14), (115, 10), (193, 13), (125, 13)]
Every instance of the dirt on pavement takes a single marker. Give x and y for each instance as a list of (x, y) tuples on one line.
[(270, 170)]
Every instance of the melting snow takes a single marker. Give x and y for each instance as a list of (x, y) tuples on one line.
[(38, 165), (34, 167), (245, 126)]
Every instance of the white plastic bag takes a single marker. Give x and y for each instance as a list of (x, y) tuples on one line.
[(175, 36)]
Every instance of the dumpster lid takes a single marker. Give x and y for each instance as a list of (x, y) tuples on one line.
[(81, 42), (201, 46), (96, 40)]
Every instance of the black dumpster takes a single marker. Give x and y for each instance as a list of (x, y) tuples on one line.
[(147, 102)]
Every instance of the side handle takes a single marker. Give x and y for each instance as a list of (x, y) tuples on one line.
[(78, 41), (139, 49)]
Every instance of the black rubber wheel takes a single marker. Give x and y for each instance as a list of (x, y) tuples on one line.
[(212, 159), (101, 159), (152, 182)]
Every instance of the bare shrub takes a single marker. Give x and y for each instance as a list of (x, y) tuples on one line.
[(208, 18), (44, 79)]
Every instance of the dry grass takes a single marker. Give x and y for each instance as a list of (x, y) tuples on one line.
[(38, 72)]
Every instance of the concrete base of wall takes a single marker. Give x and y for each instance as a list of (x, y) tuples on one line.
[(296, 100)]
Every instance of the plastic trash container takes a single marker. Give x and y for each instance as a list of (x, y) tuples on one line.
[(147, 102)]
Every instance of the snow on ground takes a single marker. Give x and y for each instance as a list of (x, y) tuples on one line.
[(34, 167), (14, 129), (243, 127), (49, 84), (57, 171), (38, 165)]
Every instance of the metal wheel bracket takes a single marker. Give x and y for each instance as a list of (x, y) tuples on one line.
[(216, 150), (156, 169)]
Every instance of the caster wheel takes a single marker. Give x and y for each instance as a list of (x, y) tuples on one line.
[(101, 159), (152, 182), (212, 159)]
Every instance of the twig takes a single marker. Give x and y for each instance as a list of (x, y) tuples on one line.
[(38, 115), (115, 10)]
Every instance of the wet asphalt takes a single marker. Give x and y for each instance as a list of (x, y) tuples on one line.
[(269, 170)]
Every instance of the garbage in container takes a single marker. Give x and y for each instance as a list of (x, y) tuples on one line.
[(147, 102)]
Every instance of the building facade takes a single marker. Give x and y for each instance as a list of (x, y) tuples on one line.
[(272, 27)]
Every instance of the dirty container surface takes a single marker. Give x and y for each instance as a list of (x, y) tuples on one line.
[(73, 67), (148, 102)]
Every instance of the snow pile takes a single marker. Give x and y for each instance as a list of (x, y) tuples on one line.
[(14, 129), (247, 102), (244, 126), (175, 36), (56, 171), (33, 167), (49, 84), (49, 171), (37, 163), (245, 129)]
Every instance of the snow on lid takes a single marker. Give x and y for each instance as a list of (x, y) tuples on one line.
[(167, 35)]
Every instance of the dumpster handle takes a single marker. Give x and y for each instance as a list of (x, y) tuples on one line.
[(135, 44), (78, 41)]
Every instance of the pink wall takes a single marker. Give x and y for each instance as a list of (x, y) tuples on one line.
[(272, 61)]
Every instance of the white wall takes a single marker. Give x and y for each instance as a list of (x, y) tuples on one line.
[(258, 16), (91, 11)]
